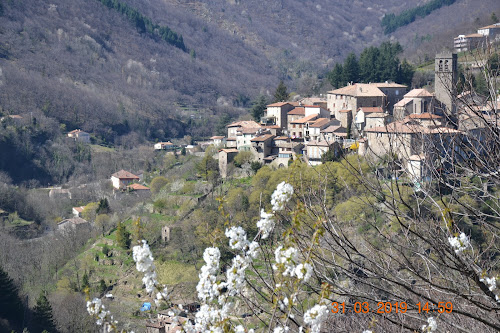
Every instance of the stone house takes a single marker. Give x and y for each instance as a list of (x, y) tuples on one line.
[(244, 137), (353, 97), (316, 149), (334, 133), (295, 114), (276, 114), (75, 223), (285, 149), (262, 146), (233, 128), (296, 128), (313, 130), (415, 101), (410, 136), (360, 119), (345, 117), (123, 178), (226, 156), (140, 190), (377, 119)]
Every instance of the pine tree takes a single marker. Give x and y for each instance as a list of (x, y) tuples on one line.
[(103, 207), (350, 72), (335, 76), (11, 306), (122, 236), (281, 93), (42, 316), (258, 108), (85, 281)]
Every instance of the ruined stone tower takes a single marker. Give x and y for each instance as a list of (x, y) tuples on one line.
[(445, 80)]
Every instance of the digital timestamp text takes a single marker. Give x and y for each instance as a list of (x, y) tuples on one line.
[(396, 307)]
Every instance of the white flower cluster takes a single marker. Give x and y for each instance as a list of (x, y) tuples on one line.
[(303, 271), (207, 287), (490, 282), (104, 317), (144, 263), (431, 325), (287, 259), (315, 316), (281, 195), (265, 224), (367, 331), (459, 243), (237, 238), (279, 329), (492, 285)]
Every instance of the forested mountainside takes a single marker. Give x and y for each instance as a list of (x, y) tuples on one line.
[(87, 65)]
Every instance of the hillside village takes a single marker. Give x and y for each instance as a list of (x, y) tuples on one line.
[(371, 119), (414, 129)]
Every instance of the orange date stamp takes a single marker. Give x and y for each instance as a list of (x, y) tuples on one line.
[(393, 307)]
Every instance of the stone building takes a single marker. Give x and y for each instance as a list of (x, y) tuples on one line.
[(226, 156), (445, 69)]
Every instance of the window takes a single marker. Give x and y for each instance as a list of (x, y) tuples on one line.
[(440, 65)]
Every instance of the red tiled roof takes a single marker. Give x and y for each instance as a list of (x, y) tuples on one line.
[(320, 122), (297, 111), (281, 138), (244, 123), (138, 187), (216, 137), (229, 150), (310, 117), (278, 104), (370, 109), (122, 174), (418, 93), (344, 111), (231, 139)]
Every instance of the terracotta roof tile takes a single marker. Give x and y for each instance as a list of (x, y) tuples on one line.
[(262, 138), (122, 174), (418, 93), (138, 187), (297, 111)]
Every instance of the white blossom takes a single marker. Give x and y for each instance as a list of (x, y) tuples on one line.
[(367, 331), (281, 195), (303, 271), (287, 258), (490, 282), (459, 243), (237, 238), (265, 224), (236, 275), (253, 248), (144, 263), (207, 287), (279, 329), (315, 316), (98, 310), (431, 325)]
